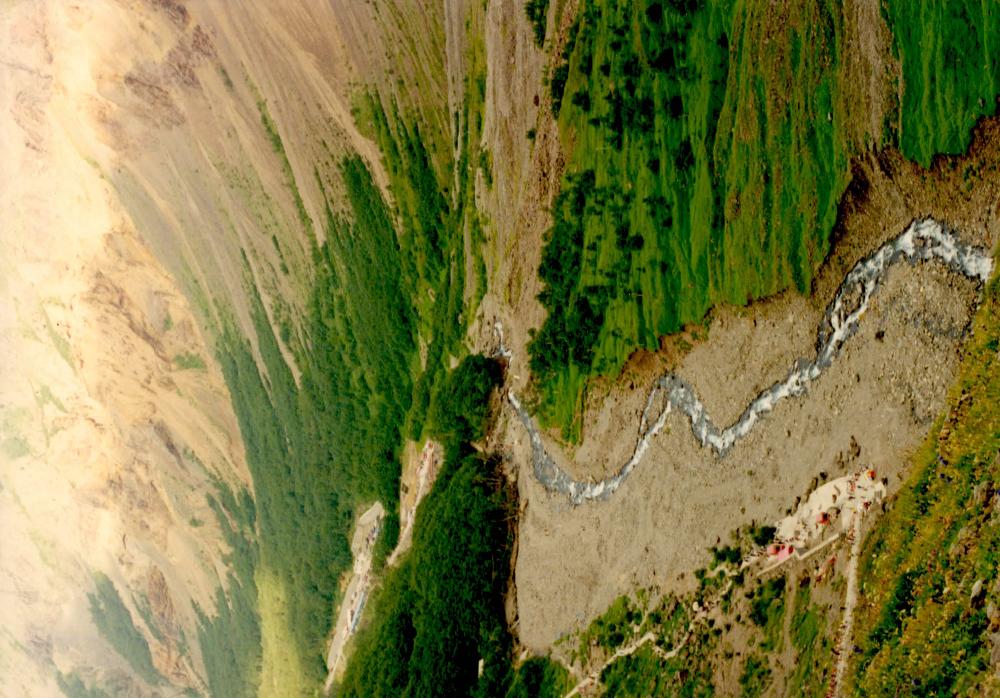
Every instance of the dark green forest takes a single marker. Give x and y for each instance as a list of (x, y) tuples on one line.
[(319, 449), (442, 609)]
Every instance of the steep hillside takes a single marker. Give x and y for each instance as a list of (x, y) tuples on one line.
[(927, 617), (687, 308), (121, 454), (708, 146), (170, 192)]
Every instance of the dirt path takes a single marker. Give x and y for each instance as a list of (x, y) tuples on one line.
[(365, 535), (701, 614), (844, 642), (592, 678), (843, 501)]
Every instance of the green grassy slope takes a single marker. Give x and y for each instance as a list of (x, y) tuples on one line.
[(706, 164), (929, 569), (709, 145), (950, 56)]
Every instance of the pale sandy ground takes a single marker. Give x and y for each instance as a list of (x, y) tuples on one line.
[(830, 509), (135, 168), (107, 446), (419, 473), (526, 175)]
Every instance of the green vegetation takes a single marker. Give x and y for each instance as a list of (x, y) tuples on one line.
[(709, 147), (813, 656), (431, 252), (15, 447), (59, 342), (611, 629), (756, 676), (114, 621), (189, 361), (540, 677), (319, 449), (537, 12), (73, 686), (644, 673), (323, 448), (474, 158), (459, 413), (767, 611), (441, 610), (230, 639), (442, 235), (762, 535), (950, 58), (929, 569), (726, 555), (418, 191), (707, 165)]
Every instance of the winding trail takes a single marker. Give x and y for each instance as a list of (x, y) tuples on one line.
[(922, 241), (845, 637), (861, 489), (592, 678)]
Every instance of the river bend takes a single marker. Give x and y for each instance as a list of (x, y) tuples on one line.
[(924, 240)]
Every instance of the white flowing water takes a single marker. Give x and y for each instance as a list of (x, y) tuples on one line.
[(923, 240)]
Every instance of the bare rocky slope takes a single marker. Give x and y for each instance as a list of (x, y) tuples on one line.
[(138, 163)]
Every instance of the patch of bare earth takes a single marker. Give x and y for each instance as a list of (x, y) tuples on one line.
[(870, 71), (419, 472)]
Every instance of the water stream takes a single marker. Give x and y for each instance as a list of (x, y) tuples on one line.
[(922, 241)]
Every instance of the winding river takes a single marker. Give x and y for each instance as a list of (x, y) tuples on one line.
[(922, 241)]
